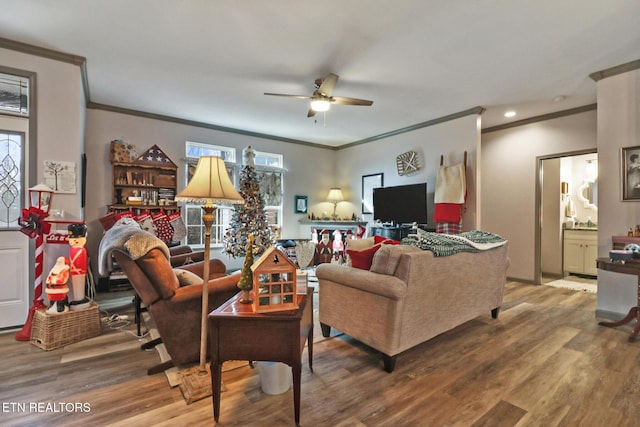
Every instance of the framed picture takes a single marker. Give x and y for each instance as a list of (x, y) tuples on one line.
[(631, 173), (300, 204), (369, 182)]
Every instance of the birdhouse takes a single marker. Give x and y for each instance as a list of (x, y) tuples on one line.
[(274, 282)]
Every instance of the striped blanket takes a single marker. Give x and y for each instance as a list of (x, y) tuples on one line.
[(449, 244)]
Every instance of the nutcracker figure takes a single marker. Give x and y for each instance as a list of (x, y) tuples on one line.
[(78, 261)]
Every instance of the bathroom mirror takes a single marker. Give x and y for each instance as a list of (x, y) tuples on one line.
[(588, 194)]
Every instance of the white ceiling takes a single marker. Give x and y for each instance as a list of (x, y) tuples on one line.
[(419, 60)]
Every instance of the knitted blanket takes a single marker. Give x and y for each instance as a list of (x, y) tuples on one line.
[(449, 244), (131, 240)]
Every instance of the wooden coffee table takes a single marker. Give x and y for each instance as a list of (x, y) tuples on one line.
[(237, 333)]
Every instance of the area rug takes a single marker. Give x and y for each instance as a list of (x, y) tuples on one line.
[(576, 286)]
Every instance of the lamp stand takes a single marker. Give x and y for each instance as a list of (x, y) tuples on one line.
[(196, 382)]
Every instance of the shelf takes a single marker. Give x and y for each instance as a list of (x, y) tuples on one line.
[(330, 222), (144, 166), (150, 183), (150, 187), (150, 207)]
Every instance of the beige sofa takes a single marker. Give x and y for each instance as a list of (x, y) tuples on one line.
[(409, 295)]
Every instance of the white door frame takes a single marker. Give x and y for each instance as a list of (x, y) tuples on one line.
[(18, 250)]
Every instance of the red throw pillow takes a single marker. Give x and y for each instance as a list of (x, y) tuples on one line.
[(380, 239), (363, 259)]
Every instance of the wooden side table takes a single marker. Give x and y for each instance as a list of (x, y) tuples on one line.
[(237, 333), (629, 267)]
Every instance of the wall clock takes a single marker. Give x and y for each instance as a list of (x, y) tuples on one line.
[(407, 163)]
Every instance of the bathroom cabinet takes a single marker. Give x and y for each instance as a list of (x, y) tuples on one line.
[(580, 252)]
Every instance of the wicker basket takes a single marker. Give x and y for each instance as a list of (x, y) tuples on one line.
[(50, 331)]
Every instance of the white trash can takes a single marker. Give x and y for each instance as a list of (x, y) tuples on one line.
[(275, 377)]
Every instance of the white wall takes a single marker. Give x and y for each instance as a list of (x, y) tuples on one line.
[(450, 139), (310, 170), (508, 173), (618, 126)]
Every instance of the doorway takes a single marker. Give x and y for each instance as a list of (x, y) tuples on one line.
[(566, 198), (18, 121)]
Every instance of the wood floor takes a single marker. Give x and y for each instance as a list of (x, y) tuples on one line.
[(543, 362)]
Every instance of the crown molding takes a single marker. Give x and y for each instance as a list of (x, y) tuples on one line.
[(164, 118), (613, 71), (471, 111), (542, 118), (42, 51)]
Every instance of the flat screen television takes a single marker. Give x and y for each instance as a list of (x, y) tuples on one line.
[(403, 204)]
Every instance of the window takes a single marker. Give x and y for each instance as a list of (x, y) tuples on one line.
[(195, 226), (14, 91), (195, 150), (270, 169), (11, 193), (193, 212)]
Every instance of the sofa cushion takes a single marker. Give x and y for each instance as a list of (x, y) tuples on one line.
[(380, 239), (360, 244), (186, 277), (362, 259), (385, 261)]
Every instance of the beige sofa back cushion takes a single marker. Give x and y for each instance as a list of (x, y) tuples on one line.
[(386, 259)]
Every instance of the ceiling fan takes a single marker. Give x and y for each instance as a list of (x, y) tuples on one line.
[(321, 98)]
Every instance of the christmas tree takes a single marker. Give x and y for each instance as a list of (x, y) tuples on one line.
[(248, 218)]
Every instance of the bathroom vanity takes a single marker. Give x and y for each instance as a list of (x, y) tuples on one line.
[(580, 251)]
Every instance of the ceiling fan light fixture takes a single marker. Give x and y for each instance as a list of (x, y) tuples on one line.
[(320, 104)]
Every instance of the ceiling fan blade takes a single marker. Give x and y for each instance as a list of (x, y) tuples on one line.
[(342, 100), (311, 112), (288, 96), (327, 85)]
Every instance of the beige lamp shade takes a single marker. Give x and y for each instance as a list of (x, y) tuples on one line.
[(335, 195), (210, 183)]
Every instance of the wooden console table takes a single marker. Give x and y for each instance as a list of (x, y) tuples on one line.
[(629, 267), (237, 333)]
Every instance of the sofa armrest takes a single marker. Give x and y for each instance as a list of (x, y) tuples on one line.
[(216, 268), (225, 284), (380, 284), (186, 258)]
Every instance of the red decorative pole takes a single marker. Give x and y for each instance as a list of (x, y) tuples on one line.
[(38, 303), (33, 225)]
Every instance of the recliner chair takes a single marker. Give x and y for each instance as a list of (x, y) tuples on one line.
[(175, 309)]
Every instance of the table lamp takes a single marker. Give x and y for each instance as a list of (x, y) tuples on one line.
[(210, 183), (335, 196)]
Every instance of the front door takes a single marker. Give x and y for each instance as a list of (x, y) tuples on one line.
[(14, 287), (14, 245)]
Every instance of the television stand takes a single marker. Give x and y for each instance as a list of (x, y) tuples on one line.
[(395, 233)]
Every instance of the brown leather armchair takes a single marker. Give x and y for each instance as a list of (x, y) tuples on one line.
[(175, 309)]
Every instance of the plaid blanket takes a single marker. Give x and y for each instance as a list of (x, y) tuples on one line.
[(449, 244)]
